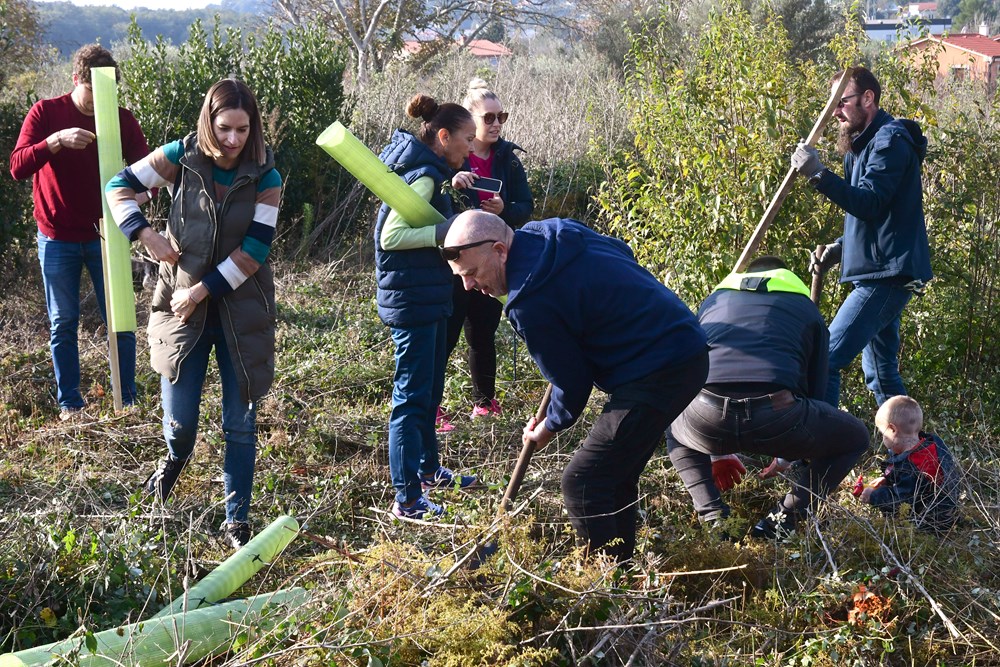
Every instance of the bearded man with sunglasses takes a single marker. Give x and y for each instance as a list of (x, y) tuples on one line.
[(591, 316), (884, 250)]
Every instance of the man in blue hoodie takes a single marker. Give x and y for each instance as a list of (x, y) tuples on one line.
[(884, 250), (590, 316)]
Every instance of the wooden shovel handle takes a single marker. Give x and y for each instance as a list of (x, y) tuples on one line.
[(524, 458), (786, 185), (816, 289)]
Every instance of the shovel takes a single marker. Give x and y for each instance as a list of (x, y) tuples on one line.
[(786, 185), (487, 545)]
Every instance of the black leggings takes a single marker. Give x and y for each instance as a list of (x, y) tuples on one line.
[(479, 315)]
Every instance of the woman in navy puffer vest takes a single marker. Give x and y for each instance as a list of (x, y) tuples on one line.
[(414, 297)]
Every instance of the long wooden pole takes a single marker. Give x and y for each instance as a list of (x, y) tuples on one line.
[(521, 467), (786, 185)]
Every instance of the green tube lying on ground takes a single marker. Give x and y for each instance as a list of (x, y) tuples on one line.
[(121, 313), (356, 158), (238, 568), (154, 643)]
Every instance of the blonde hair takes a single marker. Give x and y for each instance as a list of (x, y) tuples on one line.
[(902, 412), (479, 91)]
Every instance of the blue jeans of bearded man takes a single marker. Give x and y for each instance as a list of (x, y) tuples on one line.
[(181, 408), (62, 264), (418, 386), (868, 322)]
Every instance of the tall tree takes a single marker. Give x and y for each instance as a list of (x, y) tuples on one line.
[(376, 29), (20, 38)]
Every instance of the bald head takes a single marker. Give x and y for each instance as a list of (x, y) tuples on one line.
[(476, 225), (476, 249)]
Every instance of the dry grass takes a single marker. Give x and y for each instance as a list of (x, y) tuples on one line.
[(79, 546)]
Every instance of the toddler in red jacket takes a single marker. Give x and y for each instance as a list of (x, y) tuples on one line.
[(920, 471)]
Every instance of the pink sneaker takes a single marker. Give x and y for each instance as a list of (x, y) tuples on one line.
[(491, 410), (442, 422)]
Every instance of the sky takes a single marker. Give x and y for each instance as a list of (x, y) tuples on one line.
[(147, 4)]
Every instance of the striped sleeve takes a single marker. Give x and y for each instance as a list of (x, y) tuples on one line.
[(256, 246), (156, 170)]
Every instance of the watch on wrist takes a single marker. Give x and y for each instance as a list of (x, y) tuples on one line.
[(814, 179)]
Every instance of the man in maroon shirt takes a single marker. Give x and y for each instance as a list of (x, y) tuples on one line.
[(56, 148)]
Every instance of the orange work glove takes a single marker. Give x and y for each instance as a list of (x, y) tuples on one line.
[(727, 471)]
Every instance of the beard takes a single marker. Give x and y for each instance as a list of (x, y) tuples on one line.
[(845, 139)]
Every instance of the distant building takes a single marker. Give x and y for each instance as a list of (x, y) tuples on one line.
[(924, 10), (974, 56), (483, 49), (891, 30)]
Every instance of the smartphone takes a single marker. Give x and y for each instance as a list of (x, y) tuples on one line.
[(487, 185)]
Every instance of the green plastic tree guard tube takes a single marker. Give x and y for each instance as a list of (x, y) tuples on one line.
[(168, 640), (356, 158), (238, 568), (121, 313)]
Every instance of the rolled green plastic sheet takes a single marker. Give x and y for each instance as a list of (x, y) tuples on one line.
[(365, 166), (238, 568), (155, 643), (121, 311)]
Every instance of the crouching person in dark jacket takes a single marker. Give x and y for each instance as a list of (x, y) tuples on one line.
[(764, 395), (590, 316)]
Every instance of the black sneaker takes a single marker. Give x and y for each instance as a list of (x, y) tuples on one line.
[(777, 525), (162, 481), (238, 534)]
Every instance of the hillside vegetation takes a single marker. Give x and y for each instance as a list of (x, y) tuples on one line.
[(679, 158)]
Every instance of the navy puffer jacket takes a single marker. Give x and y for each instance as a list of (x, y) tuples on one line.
[(414, 286)]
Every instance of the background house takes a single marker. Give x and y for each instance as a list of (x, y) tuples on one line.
[(963, 56)]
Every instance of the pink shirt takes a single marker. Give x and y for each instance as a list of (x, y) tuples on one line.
[(483, 169), (67, 184)]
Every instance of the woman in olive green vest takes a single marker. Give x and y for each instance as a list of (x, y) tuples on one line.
[(215, 287)]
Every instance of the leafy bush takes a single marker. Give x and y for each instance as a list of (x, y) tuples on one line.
[(296, 76), (16, 222)]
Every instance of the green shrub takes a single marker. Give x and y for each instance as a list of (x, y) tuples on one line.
[(295, 74)]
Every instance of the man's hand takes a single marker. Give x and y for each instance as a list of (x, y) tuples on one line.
[(536, 431), (157, 246), (806, 160), (829, 257), (75, 138), (727, 471), (775, 468)]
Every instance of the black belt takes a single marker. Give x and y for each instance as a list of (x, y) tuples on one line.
[(776, 401)]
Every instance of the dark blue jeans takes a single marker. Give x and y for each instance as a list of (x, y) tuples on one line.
[(600, 484), (62, 265), (181, 409), (790, 427), (868, 322), (416, 392)]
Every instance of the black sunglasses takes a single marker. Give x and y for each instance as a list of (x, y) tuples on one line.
[(450, 254), (490, 118), (844, 100)]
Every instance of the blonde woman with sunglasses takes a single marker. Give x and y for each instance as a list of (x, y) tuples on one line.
[(479, 315)]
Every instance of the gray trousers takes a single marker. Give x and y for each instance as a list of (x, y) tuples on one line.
[(780, 424)]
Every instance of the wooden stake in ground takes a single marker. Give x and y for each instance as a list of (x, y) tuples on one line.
[(786, 185)]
